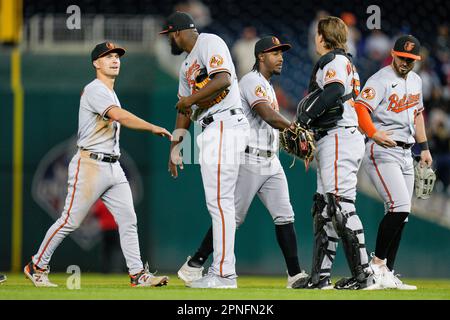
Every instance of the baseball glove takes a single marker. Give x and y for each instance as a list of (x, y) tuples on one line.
[(424, 179), (298, 142), (200, 82)]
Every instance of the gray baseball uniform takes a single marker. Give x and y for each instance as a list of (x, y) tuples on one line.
[(91, 179), (394, 103), (261, 174), (224, 137), (339, 155)]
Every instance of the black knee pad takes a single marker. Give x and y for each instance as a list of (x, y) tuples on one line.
[(334, 211), (318, 204), (332, 204)]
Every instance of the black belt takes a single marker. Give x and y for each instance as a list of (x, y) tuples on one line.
[(208, 120), (106, 157), (341, 199), (400, 144), (319, 134), (258, 152), (404, 145)]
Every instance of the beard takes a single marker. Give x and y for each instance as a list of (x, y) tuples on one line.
[(403, 71), (174, 48), (276, 72)]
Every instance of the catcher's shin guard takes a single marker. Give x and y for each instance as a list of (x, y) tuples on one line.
[(348, 231), (325, 241)]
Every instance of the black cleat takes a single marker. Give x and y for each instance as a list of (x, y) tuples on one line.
[(345, 284), (369, 283), (306, 283)]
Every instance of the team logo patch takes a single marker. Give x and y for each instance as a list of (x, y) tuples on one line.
[(330, 74), (110, 45), (409, 45), (260, 92), (368, 94), (275, 41), (216, 61)]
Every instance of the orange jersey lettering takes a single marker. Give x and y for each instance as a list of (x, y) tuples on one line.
[(397, 106), (193, 68)]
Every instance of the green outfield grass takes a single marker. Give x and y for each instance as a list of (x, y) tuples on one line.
[(97, 286)]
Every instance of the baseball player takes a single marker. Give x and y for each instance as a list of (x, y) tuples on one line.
[(215, 106), (2, 278), (94, 172), (390, 113), (339, 152), (261, 172)]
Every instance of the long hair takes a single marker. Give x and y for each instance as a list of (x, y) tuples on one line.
[(334, 32), (256, 65)]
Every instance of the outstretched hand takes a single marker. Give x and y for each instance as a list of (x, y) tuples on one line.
[(162, 132)]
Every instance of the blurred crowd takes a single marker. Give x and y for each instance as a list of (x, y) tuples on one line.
[(371, 53), (241, 24)]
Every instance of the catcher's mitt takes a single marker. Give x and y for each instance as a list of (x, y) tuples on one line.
[(200, 81), (424, 179), (298, 142)]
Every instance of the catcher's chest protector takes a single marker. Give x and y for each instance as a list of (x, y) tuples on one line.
[(335, 111)]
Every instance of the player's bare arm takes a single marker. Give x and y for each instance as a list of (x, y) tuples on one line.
[(421, 138), (131, 121), (269, 115), (218, 83), (175, 158)]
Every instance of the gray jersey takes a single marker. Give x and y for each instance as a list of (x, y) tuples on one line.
[(340, 70), (256, 89), (394, 102), (209, 53), (96, 132), (338, 157), (91, 179)]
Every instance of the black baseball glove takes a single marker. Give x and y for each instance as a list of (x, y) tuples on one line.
[(298, 141)]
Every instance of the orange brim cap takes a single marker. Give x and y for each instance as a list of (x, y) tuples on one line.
[(407, 55)]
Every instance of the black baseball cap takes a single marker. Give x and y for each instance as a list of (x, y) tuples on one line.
[(104, 48), (407, 46), (178, 21), (270, 43)]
